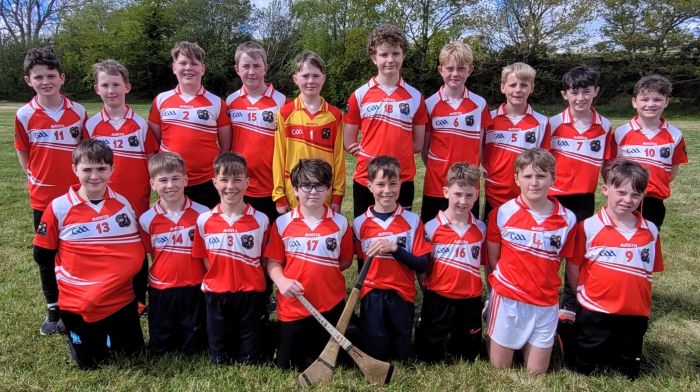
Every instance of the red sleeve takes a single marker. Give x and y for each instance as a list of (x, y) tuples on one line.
[(420, 245), (47, 232), (223, 119), (610, 147), (199, 249), (579, 256), (154, 113), (21, 138), (547, 138), (146, 239), (484, 254), (568, 249), (275, 246), (352, 116), (493, 232), (151, 145), (679, 153), (486, 120), (421, 116), (659, 259), (347, 247)]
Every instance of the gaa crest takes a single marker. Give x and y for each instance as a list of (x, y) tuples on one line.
[(331, 244), (555, 241), (404, 108), (123, 220), (133, 141), (247, 241)]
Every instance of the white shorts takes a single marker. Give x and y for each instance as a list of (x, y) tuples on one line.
[(512, 323)]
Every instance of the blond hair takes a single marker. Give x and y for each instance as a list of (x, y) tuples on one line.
[(459, 51), (463, 175), (165, 162), (252, 49), (541, 160), (110, 67), (521, 71)]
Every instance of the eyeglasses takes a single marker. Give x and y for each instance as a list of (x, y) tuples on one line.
[(317, 187)]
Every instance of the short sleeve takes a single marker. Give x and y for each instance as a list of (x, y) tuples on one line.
[(275, 246), (493, 232), (347, 247), (352, 115), (154, 113), (21, 138), (486, 120), (611, 147), (223, 119), (420, 245), (579, 255), (199, 249), (421, 116), (47, 232), (568, 249), (659, 259), (151, 145), (679, 153)]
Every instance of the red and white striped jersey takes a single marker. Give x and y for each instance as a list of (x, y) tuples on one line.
[(310, 252), (386, 122), (386, 273), (579, 154), (504, 140), (458, 254), (100, 250), (233, 246), (617, 265), (171, 238), (49, 138), (455, 136), (131, 143), (532, 246), (189, 127), (658, 151), (253, 124)]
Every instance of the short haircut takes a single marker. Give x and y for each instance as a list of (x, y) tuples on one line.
[(522, 71), (93, 151), (653, 83), (308, 171), (620, 171), (309, 57), (230, 164), (462, 174), (389, 166), (41, 56), (580, 77), (188, 49), (110, 67), (389, 35), (252, 49), (540, 159), (166, 162), (460, 52)]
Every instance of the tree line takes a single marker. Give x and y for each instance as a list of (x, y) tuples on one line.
[(624, 39)]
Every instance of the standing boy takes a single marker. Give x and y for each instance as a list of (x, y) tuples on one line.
[(192, 122), (253, 114), (452, 298), (47, 129), (650, 140), (92, 233), (617, 250), (230, 239), (527, 238), (516, 128), (390, 115), (395, 238), (176, 303), (309, 248), (453, 134)]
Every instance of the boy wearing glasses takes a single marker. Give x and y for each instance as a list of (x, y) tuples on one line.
[(309, 247)]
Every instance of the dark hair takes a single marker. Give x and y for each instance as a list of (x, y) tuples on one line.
[(308, 171), (386, 34), (165, 162), (389, 166), (41, 56), (539, 158), (655, 83), (93, 151), (619, 171), (230, 164), (312, 59), (580, 77), (463, 175)]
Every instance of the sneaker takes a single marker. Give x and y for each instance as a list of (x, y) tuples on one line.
[(52, 323)]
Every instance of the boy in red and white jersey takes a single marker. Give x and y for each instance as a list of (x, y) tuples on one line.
[(309, 248), (93, 235), (526, 239), (617, 250), (192, 122), (176, 315), (395, 238), (650, 140), (230, 238), (390, 115), (253, 114), (454, 132), (47, 129), (516, 128), (452, 298), (125, 132)]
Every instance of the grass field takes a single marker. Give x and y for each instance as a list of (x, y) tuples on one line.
[(29, 361)]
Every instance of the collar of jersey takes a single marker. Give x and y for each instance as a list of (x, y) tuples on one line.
[(567, 118), (396, 212), (269, 90), (636, 126), (128, 116), (299, 104), (75, 199), (34, 103), (607, 221), (296, 213), (443, 219), (160, 210), (444, 97), (557, 210), (201, 90), (373, 82), (501, 111), (247, 210)]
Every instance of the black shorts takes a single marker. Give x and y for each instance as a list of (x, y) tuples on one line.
[(264, 205), (176, 320), (235, 326), (609, 340), (92, 343), (301, 341), (362, 198), (204, 193), (432, 205), (449, 327), (47, 273), (582, 205), (653, 210), (387, 325)]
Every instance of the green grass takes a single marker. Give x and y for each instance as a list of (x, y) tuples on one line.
[(32, 362)]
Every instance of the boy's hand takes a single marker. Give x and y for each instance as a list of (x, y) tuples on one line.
[(354, 148), (283, 209), (335, 208), (383, 247), (289, 287)]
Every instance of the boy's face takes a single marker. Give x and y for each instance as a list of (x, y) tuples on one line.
[(650, 105), (93, 177), (311, 195), (310, 80), (460, 199), (622, 200), (533, 183), (170, 186), (188, 71), (388, 59), (112, 89), (45, 82), (580, 99), (516, 90), (252, 72), (385, 191), (454, 75), (231, 188)]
